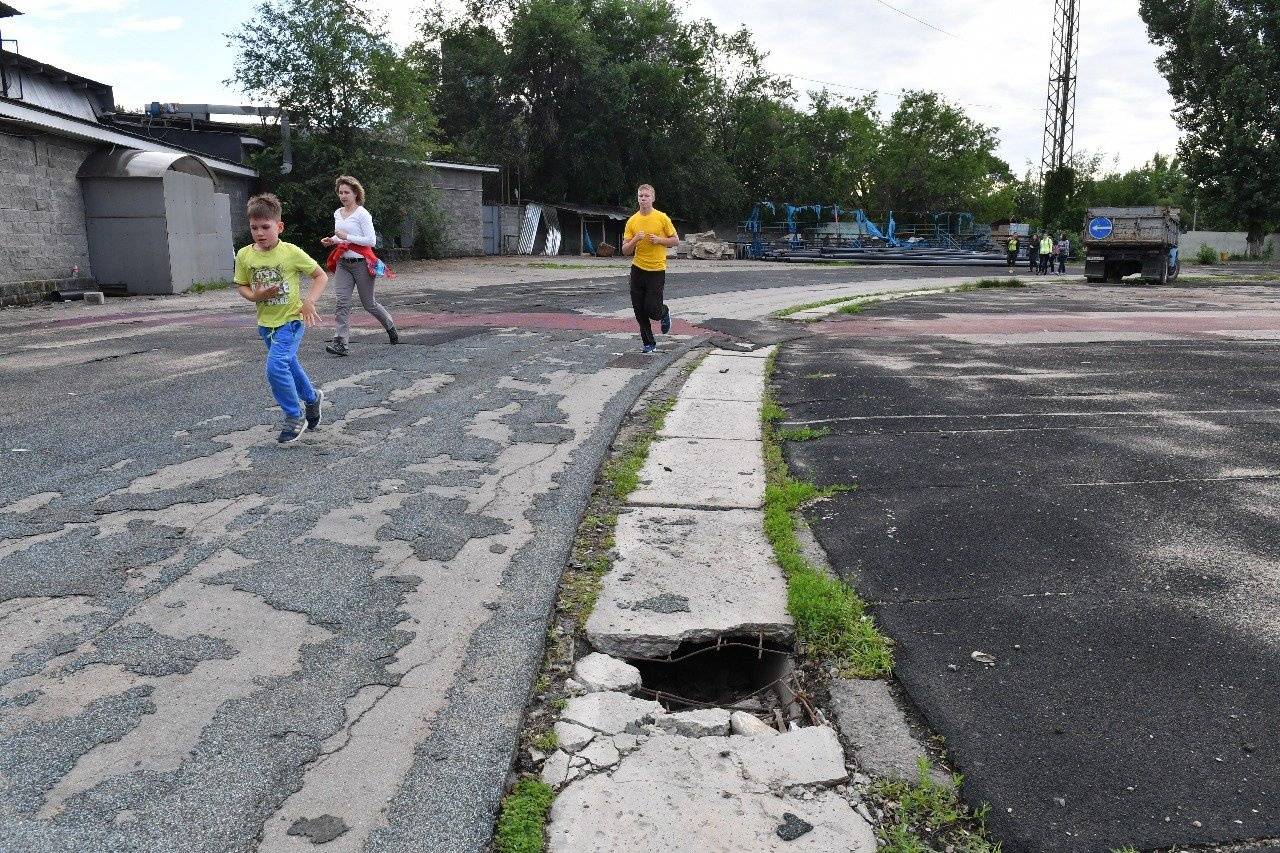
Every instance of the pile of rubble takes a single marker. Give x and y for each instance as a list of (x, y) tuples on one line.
[(705, 246)]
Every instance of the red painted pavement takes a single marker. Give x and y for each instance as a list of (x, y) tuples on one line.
[(405, 320)]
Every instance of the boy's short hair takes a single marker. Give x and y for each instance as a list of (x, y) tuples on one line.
[(356, 186), (265, 206), (648, 187)]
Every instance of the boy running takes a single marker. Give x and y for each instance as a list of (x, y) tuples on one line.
[(269, 272), (647, 235)]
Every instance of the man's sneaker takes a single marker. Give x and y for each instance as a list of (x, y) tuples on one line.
[(338, 347), (292, 430), (666, 320), (650, 348), (315, 411), (393, 335)]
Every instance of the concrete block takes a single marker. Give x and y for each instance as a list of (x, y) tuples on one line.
[(809, 756), (722, 377), (703, 722), (734, 420), (571, 736), (688, 575), (602, 754), (749, 725), (695, 794), (95, 297), (875, 730), (597, 672), (555, 769), (702, 472), (611, 713)]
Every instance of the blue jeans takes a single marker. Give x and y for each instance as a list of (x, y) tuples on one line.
[(289, 383)]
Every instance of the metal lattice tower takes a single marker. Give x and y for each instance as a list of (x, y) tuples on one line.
[(1060, 105)]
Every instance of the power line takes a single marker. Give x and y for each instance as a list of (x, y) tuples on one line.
[(878, 91), (917, 20)]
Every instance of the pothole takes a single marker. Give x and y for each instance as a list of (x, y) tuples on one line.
[(738, 674)]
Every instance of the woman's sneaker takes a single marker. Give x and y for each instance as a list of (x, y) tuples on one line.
[(393, 335), (315, 411), (338, 347), (666, 321), (292, 430)]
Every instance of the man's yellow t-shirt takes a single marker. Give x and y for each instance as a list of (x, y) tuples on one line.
[(649, 256), (284, 264)]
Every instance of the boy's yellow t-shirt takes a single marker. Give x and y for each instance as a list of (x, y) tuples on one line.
[(649, 256), (283, 264)]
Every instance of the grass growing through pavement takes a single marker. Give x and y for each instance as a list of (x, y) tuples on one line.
[(622, 473), (927, 815), (801, 433), (524, 812), (831, 619)]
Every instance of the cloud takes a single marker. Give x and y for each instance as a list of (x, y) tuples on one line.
[(995, 65), (144, 25), (63, 8)]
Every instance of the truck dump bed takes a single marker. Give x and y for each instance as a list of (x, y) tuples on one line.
[(1145, 227)]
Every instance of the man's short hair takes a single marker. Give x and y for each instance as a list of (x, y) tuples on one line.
[(265, 206), (648, 187), (356, 186)]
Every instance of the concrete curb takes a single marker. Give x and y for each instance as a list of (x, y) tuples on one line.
[(692, 565)]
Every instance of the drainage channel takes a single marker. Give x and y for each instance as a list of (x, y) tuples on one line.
[(748, 674), (687, 725)]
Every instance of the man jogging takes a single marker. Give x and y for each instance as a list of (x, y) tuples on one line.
[(647, 236)]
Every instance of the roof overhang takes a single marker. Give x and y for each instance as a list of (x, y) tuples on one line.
[(63, 125), (462, 167)]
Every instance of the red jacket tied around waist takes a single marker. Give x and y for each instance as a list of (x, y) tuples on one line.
[(377, 268)]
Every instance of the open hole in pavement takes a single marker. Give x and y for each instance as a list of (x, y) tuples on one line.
[(740, 674)]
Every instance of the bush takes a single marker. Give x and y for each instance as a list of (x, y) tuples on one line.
[(1206, 254)]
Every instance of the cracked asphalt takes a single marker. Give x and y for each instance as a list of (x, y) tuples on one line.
[(1080, 482), (212, 643)]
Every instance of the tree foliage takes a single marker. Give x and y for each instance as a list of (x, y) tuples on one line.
[(584, 99), (1221, 59), (355, 105)]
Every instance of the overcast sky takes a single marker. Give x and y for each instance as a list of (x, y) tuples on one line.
[(992, 58)]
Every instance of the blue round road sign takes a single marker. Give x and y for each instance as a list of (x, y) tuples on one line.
[(1100, 227)]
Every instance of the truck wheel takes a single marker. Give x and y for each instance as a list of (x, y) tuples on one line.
[(1113, 272), (1163, 278)]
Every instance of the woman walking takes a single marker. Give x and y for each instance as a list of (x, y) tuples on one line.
[(355, 266)]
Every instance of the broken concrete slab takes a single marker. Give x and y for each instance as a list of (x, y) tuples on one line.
[(597, 672), (602, 754), (721, 377), (810, 756), (611, 713), (876, 730), (692, 794), (703, 722), (750, 725), (733, 420), (702, 472), (761, 352), (572, 737), (556, 769), (718, 562)]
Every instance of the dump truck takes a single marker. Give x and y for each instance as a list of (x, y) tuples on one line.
[(1121, 241)]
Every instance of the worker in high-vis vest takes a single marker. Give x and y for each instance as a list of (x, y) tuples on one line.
[(1046, 252), (1013, 252)]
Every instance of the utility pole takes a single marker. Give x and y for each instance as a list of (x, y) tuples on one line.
[(1060, 104)]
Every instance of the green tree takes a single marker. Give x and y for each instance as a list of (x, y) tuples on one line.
[(934, 157), (355, 105), (1221, 59)]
